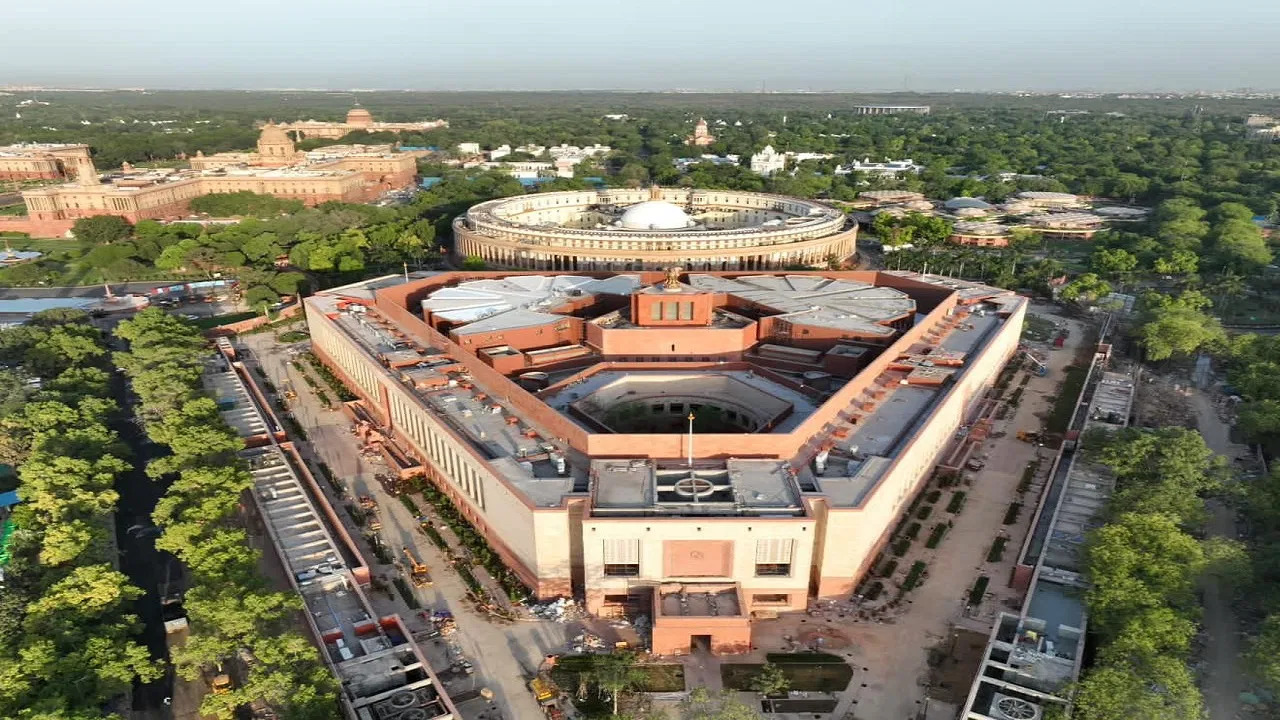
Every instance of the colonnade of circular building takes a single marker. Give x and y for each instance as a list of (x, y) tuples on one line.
[(645, 229)]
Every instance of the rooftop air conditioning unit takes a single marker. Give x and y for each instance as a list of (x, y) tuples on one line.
[(1005, 707)]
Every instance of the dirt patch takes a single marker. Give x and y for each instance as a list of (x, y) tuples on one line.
[(954, 663), (825, 638)]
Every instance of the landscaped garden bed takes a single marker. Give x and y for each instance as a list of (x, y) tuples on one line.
[(935, 536), (997, 549), (914, 576), (1011, 515), (979, 590), (808, 672)]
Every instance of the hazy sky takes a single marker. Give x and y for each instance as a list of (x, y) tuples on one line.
[(644, 44)]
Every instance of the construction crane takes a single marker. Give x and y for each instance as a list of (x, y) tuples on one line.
[(418, 572)]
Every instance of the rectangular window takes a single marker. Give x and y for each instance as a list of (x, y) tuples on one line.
[(686, 311), (773, 557), (770, 599), (655, 311), (622, 558), (670, 310)]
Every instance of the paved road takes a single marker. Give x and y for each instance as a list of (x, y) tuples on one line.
[(139, 558), (1225, 681), (80, 290)]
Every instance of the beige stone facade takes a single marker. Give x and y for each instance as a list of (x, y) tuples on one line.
[(350, 174), (358, 119), (730, 230), (43, 161), (792, 511)]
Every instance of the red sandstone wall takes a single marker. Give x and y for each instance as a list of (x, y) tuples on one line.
[(718, 344), (29, 175), (568, 331), (35, 226)]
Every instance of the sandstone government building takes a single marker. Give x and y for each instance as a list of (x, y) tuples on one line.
[(704, 447), (638, 229)]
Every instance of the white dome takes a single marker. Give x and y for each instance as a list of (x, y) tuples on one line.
[(654, 215)]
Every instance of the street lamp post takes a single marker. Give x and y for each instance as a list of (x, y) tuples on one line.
[(691, 418)]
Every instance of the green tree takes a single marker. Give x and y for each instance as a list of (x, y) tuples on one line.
[(1176, 326), (770, 680), (1165, 470), (473, 262), (705, 705), (1177, 263), (615, 673), (1113, 263), (1137, 563), (1240, 246), (1085, 289), (1264, 655), (1160, 689), (101, 229)]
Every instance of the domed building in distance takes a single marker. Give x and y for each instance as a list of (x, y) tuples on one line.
[(637, 229)]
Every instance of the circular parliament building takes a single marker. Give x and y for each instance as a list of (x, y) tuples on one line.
[(646, 229)]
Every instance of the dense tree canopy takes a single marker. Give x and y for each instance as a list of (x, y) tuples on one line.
[(64, 612), (229, 605)]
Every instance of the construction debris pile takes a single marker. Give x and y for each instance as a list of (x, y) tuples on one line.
[(561, 610), (1161, 403)]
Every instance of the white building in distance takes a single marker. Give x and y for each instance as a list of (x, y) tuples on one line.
[(468, 148), (888, 167), (768, 161)]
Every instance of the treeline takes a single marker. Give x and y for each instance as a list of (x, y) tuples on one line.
[(245, 204), (65, 611), (232, 612), (1143, 565), (1183, 244), (271, 256), (1148, 153), (1253, 367)]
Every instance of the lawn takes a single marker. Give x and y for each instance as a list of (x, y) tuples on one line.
[(1038, 328), (1065, 404), (814, 672), (49, 245), (659, 677)]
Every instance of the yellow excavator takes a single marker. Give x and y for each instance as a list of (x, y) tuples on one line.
[(418, 572)]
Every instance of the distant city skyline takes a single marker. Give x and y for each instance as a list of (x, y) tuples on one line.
[(649, 45)]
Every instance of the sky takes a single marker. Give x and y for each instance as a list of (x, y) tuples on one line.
[(725, 45)]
